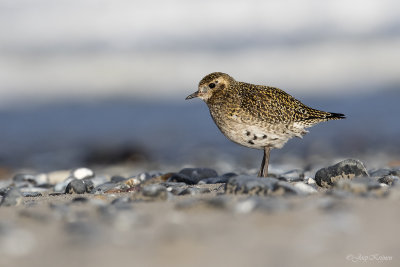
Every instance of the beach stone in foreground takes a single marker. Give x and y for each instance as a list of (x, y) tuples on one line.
[(193, 175), (347, 169), (76, 187), (251, 185), (12, 197)]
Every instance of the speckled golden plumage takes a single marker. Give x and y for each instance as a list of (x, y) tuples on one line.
[(257, 116)]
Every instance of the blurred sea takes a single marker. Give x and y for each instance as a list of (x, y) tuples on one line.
[(86, 81)]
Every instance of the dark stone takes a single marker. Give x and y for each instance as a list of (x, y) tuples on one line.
[(347, 169), (80, 200), (56, 194), (12, 197), (197, 174), (76, 187), (89, 184), (182, 178), (389, 180), (251, 185), (31, 194)]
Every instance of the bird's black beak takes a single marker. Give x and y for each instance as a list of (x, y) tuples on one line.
[(195, 94)]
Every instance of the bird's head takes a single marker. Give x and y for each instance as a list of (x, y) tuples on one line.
[(211, 84)]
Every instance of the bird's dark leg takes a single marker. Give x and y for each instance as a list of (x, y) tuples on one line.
[(264, 163)]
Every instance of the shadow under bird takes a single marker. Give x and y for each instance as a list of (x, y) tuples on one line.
[(257, 116)]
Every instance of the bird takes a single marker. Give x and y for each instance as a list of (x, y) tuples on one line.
[(257, 116)]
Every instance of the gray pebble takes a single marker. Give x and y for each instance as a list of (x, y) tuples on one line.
[(76, 187), (194, 191), (251, 185), (389, 180), (122, 203), (101, 189), (218, 180), (89, 185), (12, 197), (305, 188), (24, 177), (144, 176), (61, 186), (155, 191), (283, 187), (292, 176), (173, 184), (262, 204), (380, 172), (358, 186), (347, 169), (117, 179), (197, 174)]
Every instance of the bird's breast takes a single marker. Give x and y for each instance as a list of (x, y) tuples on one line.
[(251, 133)]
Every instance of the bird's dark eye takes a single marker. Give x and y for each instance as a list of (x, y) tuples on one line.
[(211, 85)]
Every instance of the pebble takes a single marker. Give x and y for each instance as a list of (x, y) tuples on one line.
[(57, 177), (144, 176), (311, 181), (252, 185), (76, 187), (80, 200), (216, 180), (155, 191), (61, 186), (33, 189), (101, 189), (194, 175), (389, 180), (380, 172), (260, 203), (358, 186), (347, 169), (292, 176), (31, 194), (12, 197), (117, 179), (283, 187), (194, 191), (305, 188), (122, 203), (23, 177), (182, 178), (82, 173)]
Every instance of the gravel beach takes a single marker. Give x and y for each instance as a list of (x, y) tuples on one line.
[(342, 214)]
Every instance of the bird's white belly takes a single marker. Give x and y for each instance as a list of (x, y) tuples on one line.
[(256, 136)]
